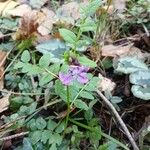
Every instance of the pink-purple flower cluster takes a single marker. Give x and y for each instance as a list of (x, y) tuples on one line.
[(78, 73)]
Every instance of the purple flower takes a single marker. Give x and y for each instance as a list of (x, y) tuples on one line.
[(78, 73)]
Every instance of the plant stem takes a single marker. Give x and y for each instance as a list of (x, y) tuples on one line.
[(68, 106), (102, 133)]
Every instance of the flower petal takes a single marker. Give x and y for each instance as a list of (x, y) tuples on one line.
[(66, 79), (82, 78), (84, 69)]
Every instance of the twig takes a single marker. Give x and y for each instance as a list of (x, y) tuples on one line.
[(108, 103), (17, 93), (13, 136)]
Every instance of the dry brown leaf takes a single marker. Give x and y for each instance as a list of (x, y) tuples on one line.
[(109, 9), (27, 27), (134, 51), (113, 51), (47, 22), (4, 103), (120, 5), (20, 10), (106, 84), (68, 13), (6, 6), (71, 9)]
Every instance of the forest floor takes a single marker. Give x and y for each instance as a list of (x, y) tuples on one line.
[(74, 75)]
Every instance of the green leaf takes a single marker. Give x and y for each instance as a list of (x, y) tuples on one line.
[(141, 92), (82, 45), (26, 144), (91, 8), (45, 60), (53, 147), (37, 3), (61, 127), (80, 104), (36, 136), (32, 108), (32, 125), (40, 123), (68, 36), (129, 65), (51, 125), (55, 48), (87, 62), (16, 102), (60, 90), (95, 135), (56, 138), (9, 24), (107, 63), (86, 95), (45, 79), (6, 46), (31, 69), (140, 78), (116, 99), (93, 83), (46, 134), (88, 25), (25, 57)]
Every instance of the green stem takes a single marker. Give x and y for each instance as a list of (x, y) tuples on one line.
[(102, 133), (68, 106)]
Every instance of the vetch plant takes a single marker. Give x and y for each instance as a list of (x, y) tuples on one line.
[(78, 73)]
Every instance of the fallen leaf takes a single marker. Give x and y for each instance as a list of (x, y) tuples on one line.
[(120, 5), (113, 51), (46, 24), (68, 13), (19, 11), (27, 27), (109, 9), (134, 51), (6, 6), (106, 84), (4, 103)]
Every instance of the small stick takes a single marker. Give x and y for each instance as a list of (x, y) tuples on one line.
[(13, 136), (128, 134)]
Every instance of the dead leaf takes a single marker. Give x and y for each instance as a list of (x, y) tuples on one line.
[(46, 24), (6, 6), (109, 9), (27, 27), (19, 11), (106, 84), (68, 13), (4, 103), (120, 5), (113, 51)]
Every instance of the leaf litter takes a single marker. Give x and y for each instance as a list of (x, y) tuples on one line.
[(37, 19)]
